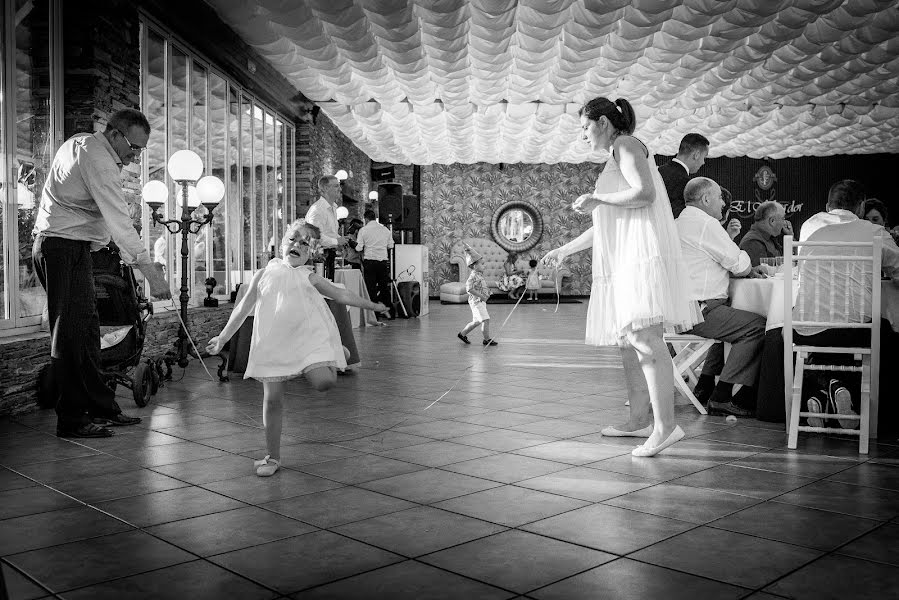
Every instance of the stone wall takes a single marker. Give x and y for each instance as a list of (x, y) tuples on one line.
[(23, 357), (323, 150)]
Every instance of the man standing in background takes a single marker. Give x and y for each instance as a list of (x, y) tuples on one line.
[(691, 155), (373, 241), (323, 214)]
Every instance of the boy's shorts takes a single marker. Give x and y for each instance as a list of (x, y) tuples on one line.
[(479, 311)]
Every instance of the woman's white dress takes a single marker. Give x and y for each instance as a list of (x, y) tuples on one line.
[(638, 274), (293, 328)]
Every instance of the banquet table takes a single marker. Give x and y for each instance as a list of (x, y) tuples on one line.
[(352, 280), (765, 297)]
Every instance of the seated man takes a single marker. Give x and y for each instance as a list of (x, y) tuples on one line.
[(839, 223), (764, 238), (711, 257)]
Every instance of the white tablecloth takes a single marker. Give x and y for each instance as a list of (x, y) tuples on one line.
[(352, 280), (765, 297)]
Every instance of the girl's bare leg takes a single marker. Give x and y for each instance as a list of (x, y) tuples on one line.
[(321, 378), (485, 328), (655, 362), (469, 328), (637, 392), (272, 413)]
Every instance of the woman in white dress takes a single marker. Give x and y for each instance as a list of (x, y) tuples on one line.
[(638, 290)]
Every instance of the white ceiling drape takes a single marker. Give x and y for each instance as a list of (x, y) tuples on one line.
[(444, 81)]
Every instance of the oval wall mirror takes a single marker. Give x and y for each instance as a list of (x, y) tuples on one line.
[(516, 226)]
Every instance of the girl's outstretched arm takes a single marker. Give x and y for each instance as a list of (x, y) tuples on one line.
[(343, 295), (243, 310)]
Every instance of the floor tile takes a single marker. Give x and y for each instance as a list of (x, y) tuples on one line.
[(197, 580), (408, 580), (295, 455), (500, 419), (558, 428), (118, 485), (572, 452), (338, 506), (517, 560), (32, 500), (506, 468), (322, 555), (155, 456), (171, 505), (511, 506), (230, 530), (584, 483), (839, 577), (502, 440), (625, 579), (76, 468), (682, 502), (359, 469), (284, 484), (870, 475), (442, 429), (796, 525), (13, 481), (796, 463), (436, 454), (20, 587), (751, 436), (208, 470), (880, 545), (871, 503), (99, 559), (418, 531), (733, 558), (429, 486), (211, 429), (747, 482), (608, 528), (56, 527)]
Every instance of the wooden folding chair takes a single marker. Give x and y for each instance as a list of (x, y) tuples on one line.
[(857, 266), (687, 359)]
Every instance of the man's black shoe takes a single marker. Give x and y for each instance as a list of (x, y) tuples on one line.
[(728, 408), (119, 420)]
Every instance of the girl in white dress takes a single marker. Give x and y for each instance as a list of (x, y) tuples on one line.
[(638, 289), (294, 332)]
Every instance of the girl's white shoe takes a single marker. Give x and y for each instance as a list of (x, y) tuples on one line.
[(266, 467)]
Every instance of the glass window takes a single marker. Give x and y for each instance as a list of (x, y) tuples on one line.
[(34, 142), (246, 145), (155, 155), (218, 143), (190, 105)]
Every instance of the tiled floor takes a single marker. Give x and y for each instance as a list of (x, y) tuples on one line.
[(504, 488)]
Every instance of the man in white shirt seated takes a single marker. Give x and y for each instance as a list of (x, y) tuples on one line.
[(839, 223), (372, 241), (711, 258), (323, 214)]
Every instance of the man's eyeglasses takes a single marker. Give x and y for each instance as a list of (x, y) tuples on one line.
[(134, 147)]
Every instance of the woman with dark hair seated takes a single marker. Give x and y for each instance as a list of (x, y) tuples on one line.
[(875, 211)]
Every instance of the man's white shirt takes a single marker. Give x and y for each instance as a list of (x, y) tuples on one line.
[(709, 255), (373, 240)]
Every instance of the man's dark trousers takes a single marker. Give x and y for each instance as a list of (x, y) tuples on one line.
[(65, 270), (377, 280)]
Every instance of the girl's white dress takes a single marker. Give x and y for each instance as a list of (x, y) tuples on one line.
[(638, 274), (533, 280), (293, 328)]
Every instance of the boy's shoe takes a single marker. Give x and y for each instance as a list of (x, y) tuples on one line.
[(839, 401), (813, 404), (87, 430), (266, 467), (490, 342), (464, 338), (118, 420)]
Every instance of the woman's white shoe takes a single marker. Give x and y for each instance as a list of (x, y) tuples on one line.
[(674, 437), (612, 431)]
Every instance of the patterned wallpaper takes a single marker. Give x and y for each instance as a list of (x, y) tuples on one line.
[(458, 201)]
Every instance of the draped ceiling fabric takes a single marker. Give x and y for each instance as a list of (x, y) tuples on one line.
[(446, 81)]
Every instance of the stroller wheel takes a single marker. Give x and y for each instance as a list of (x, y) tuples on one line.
[(155, 378), (143, 383)]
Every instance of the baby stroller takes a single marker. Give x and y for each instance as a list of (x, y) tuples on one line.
[(123, 313)]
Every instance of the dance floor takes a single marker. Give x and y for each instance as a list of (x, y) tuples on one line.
[(502, 489)]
